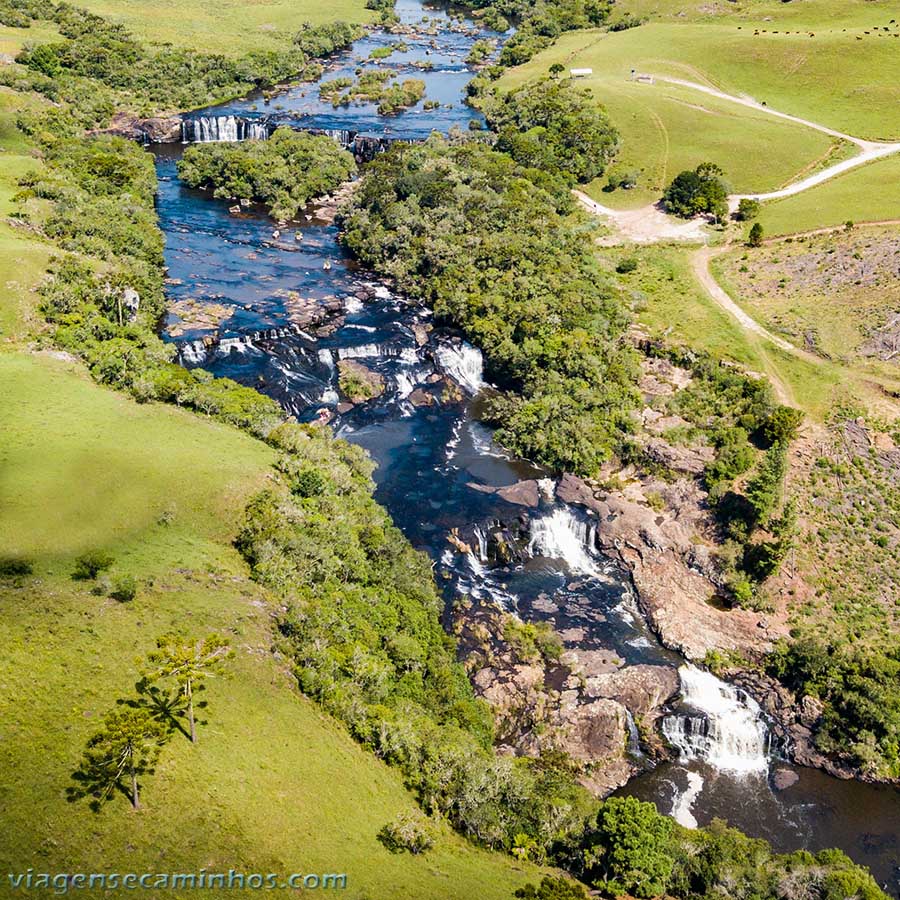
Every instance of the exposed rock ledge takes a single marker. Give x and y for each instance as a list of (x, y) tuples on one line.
[(156, 130), (585, 704), (671, 566)]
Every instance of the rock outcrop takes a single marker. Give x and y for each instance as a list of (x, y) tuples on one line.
[(585, 702), (359, 383), (671, 564), (155, 130)]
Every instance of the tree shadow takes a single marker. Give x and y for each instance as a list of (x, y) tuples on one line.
[(96, 782), (166, 707)]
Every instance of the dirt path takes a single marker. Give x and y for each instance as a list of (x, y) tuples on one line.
[(645, 225), (831, 229), (869, 150), (700, 260), (650, 223)]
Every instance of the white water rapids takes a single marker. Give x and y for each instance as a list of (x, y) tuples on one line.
[(463, 363), (728, 733), (561, 535)]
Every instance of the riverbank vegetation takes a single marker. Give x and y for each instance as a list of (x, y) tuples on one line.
[(284, 172), (377, 87), (631, 850), (552, 126), (490, 246), (101, 64)]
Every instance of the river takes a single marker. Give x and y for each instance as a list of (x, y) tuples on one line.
[(438, 467)]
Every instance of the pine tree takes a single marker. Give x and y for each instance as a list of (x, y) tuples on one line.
[(188, 662), (126, 748), (756, 235)]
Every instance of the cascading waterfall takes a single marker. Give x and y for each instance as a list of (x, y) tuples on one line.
[(463, 363), (371, 351), (220, 129), (199, 351), (728, 732), (562, 535)]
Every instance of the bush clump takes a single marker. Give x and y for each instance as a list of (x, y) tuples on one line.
[(15, 567), (89, 565), (124, 589), (284, 172), (406, 834)]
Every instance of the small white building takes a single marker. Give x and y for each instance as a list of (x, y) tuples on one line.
[(581, 73)]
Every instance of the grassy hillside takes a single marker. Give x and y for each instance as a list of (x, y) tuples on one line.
[(785, 55), (783, 65), (861, 195), (273, 785), (666, 128), (225, 26)]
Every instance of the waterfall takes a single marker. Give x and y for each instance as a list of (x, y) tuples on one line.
[(634, 737), (728, 731), (463, 363), (364, 351), (405, 385), (561, 535), (199, 351), (215, 129), (481, 537)]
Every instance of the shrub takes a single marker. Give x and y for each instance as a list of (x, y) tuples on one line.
[(747, 209), (89, 565), (553, 889), (624, 266), (309, 483), (406, 834), (124, 589), (782, 424), (15, 567), (755, 238)]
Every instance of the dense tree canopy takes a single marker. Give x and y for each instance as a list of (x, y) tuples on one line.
[(469, 231), (284, 172), (554, 126), (860, 689), (698, 191)]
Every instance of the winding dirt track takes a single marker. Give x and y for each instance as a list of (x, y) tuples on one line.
[(650, 224), (647, 216)]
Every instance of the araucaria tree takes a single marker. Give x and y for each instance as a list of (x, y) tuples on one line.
[(116, 757), (188, 662)]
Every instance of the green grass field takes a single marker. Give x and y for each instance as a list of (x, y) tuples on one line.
[(666, 128), (12, 39), (867, 194), (85, 467), (225, 26), (668, 301), (274, 785), (832, 78)]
